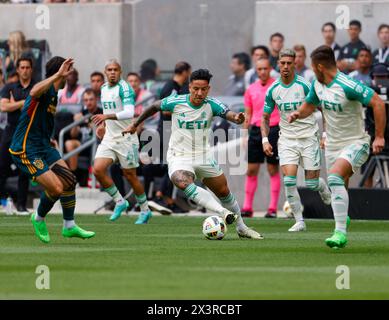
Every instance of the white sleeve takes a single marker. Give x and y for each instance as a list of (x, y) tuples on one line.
[(127, 113)]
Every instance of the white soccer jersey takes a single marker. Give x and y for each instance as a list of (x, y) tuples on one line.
[(191, 125), (341, 102), (113, 100), (289, 98)]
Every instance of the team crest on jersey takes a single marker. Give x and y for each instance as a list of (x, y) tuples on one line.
[(39, 164), (358, 88), (297, 95), (182, 114), (203, 115), (336, 97)]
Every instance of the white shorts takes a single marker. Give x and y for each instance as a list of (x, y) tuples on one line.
[(200, 167), (303, 151), (124, 152), (356, 153)]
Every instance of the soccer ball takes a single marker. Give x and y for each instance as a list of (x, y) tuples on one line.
[(214, 228), (287, 210)]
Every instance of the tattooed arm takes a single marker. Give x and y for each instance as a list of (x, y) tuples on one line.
[(265, 129), (150, 111)]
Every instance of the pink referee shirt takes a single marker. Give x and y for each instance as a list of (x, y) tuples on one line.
[(254, 98)]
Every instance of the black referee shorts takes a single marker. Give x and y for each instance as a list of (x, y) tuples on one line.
[(255, 149)]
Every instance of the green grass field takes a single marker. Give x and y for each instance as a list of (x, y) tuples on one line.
[(170, 259)]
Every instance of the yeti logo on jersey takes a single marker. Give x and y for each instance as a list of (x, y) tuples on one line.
[(196, 124), (289, 106), (332, 106), (203, 115), (109, 105)]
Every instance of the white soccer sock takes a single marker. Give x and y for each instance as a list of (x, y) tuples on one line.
[(339, 202), (115, 194), (68, 224), (293, 197), (203, 198), (142, 201), (323, 186), (232, 205)]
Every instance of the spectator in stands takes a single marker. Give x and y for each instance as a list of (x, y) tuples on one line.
[(348, 54), (299, 62), (141, 94), (240, 63), (276, 45), (176, 85), (2, 82), (72, 92), (254, 100), (12, 100), (18, 48), (12, 77), (257, 53), (328, 30), (96, 81), (380, 84), (381, 55), (80, 134), (149, 71), (364, 62)]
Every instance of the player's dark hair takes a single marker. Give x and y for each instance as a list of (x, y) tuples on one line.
[(201, 74), (97, 73), (356, 23), (365, 49), (382, 26), (329, 24), (324, 55), (260, 47), (243, 58), (23, 59), (181, 67), (277, 34), (53, 65), (133, 74)]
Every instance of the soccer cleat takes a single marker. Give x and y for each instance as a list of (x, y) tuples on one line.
[(22, 211), (159, 207), (247, 213), (298, 226), (117, 212), (249, 233), (229, 217), (337, 241), (325, 197), (77, 232), (271, 214), (40, 229), (144, 217)]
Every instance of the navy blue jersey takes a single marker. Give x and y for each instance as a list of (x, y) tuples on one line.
[(36, 124)]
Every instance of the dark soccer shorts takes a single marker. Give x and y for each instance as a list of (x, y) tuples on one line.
[(255, 149), (35, 163)]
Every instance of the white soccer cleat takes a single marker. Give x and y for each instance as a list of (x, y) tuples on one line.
[(229, 217), (249, 233), (298, 226), (157, 207), (326, 197)]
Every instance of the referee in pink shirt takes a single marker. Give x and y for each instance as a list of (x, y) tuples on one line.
[(254, 100)]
